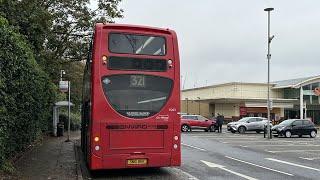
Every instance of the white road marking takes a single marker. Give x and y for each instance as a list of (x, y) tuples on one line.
[(293, 164), (243, 146), (213, 165), (190, 177), (259, 166), (280, 145), (193, 147), (310, 159), (286, 151)]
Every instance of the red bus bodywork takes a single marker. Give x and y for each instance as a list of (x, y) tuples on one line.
[(111, 140)]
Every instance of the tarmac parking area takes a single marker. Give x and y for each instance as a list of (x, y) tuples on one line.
[(250, 156)]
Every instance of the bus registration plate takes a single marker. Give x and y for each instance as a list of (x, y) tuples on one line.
[(137, 161)]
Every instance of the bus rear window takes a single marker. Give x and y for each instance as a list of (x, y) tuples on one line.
[(127, 63), (136, 95), (137, 44)]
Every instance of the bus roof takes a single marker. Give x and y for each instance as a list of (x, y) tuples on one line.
[(134, 27)]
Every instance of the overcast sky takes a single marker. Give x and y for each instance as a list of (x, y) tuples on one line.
[(226, 40)]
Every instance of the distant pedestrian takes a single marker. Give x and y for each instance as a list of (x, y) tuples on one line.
[(220, 119)]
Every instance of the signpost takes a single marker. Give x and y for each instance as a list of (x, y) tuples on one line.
[(64, 86)]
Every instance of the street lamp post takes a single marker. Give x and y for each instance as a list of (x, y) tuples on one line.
[(62, 72), (269, 57)]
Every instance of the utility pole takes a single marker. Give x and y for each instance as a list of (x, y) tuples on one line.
[(269, 57)]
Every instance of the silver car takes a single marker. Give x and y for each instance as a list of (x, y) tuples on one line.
[(248, 124)]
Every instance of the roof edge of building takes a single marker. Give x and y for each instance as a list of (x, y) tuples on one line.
[(225, 84)]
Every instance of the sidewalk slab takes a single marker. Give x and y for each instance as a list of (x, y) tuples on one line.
[(53, 159)]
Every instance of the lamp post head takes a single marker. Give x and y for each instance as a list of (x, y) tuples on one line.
[(268, 9)]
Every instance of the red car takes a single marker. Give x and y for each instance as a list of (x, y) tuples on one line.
[(189, 122)]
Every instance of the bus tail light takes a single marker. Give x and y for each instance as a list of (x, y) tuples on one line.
[(176, 138), (104, 59), (175, 146), (97, 148), (170, 63), (96, 139)]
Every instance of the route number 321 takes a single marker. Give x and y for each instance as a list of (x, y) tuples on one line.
[(137, 81)]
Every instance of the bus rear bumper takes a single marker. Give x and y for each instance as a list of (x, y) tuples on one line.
[(121, 161)]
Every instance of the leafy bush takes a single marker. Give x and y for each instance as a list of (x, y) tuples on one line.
[(26, 94), (75, 120)]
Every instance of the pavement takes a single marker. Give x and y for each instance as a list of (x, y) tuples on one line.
[(53, 159)]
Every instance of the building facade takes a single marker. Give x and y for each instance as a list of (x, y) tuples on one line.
[(236, 99)]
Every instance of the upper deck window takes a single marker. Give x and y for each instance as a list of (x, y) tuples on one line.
[(137, 44)]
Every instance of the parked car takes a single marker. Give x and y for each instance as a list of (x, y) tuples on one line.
[(298, 127), (189, 122), (248, 124)]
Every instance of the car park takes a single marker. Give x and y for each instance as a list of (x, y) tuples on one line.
[(298, 127), (190, 122), (248, 124)]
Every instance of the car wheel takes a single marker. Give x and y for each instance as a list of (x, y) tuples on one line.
[(300, 135), (212, 128), (313, 134), (258, 131), (287, 134), (185, 128), (242, 129)]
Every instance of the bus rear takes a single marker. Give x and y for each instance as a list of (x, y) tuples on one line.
[(135, 98)]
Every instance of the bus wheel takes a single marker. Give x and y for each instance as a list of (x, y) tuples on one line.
[(185, 128)]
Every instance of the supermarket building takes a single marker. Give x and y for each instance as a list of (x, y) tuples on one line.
[(234, 100)]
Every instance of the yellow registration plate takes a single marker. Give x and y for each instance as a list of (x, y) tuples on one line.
[(137, 161)]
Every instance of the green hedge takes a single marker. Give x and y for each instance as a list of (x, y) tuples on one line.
[(26, 94), (75, 120)]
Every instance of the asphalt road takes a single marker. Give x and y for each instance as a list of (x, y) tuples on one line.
[(208, 155)]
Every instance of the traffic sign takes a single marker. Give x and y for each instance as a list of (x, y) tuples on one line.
[(63, 86)]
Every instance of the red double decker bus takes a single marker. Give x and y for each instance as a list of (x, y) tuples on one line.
[(131, 98)]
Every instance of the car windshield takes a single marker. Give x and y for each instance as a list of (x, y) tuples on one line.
[(286, 122)]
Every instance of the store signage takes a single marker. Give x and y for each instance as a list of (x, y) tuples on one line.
[(317, 91), (243, 111)]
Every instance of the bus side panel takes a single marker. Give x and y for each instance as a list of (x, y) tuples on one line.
[(95, 157), (176, 153)]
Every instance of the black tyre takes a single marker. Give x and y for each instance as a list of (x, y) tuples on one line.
[(313, 133), (242, 129), (287, 134), (185, 128), (212, 128), (258, 131)]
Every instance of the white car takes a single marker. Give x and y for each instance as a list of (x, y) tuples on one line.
[(248, 124)]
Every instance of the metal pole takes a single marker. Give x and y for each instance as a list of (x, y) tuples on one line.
[(268, 57), (69, 83), (301, 102)]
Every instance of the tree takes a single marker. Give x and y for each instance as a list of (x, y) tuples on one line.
[(58, 30)]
